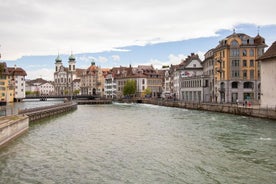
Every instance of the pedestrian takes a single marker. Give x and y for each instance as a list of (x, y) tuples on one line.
[(237, 101)]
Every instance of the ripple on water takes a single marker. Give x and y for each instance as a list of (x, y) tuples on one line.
[(133, 143)]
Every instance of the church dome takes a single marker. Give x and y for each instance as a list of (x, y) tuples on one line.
[(58, 59), (72, 57), (259, 40)]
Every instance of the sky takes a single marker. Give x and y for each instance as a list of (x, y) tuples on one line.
[(120, 32)]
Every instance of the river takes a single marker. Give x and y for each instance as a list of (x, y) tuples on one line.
[(139, 143)]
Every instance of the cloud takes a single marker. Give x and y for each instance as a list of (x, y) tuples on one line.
[(39, 27), (115, 57), (172, 59), (44, 73), (102, 59)]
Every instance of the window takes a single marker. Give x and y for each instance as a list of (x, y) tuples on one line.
[(248, 85), (244, 74), (244, 63), (234, 43), (235, 73), (234, 52), (251, 52), (260, 52), (234, 84), (251, 63), (244, 52), (251, 74), (235, 63)]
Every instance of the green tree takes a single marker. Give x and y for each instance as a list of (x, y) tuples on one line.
[(76, 92), (147, 92), (129, 88)]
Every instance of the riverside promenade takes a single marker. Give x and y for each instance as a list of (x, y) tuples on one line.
[(252, 111)]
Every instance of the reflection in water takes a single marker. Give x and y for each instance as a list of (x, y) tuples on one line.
[(136, 143)]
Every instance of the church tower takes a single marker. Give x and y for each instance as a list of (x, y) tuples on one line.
[(72, 63), (58, 63)]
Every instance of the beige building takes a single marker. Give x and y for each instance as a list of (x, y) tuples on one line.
[(236, 72), (268, 77), (145, 76), (92, 80)]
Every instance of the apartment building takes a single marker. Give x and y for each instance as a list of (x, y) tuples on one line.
[(236, 72)]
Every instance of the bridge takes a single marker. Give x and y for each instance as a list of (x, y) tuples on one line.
[(45, 97)]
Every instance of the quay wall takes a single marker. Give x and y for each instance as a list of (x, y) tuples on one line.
[(269, 113), (11, 127), (48, 111)]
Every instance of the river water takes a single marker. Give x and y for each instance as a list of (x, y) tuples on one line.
[(138, 143)]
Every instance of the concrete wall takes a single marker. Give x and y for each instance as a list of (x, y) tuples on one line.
[(224, 108), (48, 111), (12, 127)]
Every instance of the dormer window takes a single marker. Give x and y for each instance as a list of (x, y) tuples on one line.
[(234, 43)]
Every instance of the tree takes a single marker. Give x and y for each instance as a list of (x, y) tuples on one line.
[(76, 92), (129, 88), (147, 92)]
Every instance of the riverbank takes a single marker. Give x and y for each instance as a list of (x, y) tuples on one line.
[(224, 108), (252, 111), (12, 127)]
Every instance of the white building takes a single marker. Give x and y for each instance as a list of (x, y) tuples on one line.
[(46, 88), (268, 77), (191, 82), (40, 86), (18, 76), (110, 86)]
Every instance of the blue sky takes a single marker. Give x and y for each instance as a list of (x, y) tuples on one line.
[(119, 32)]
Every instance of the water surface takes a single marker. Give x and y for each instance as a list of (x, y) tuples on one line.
[(137, 143)]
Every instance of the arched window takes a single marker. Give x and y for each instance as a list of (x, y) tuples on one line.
[(235, 84), (248, 85), (234, 43)]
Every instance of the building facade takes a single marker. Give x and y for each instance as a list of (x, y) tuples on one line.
[(18, 75), (208, 73), (91, 80), (236, 72), (7, 85), (190, 73), (268, 77), (64, 76)]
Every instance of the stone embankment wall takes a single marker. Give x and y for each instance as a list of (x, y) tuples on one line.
[(12, 127), (269, 113), (49, 111)]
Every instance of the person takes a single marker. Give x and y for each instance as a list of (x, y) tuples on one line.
[(237, 101)]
